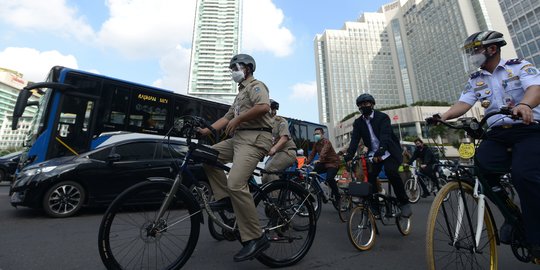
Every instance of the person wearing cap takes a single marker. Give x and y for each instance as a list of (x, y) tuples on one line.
[(249, 122), (374, 128), (283, 152), (514, 83)]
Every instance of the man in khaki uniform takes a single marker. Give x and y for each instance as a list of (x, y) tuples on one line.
[(283, 153), (250, 124)]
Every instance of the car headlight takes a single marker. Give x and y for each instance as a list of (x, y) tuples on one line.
[(37, 171)]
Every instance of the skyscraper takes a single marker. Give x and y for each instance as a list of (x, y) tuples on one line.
[(216, 38), (523, 20), (352, 61), (409, 51)]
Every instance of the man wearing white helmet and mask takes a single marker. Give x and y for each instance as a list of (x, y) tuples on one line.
[(249, 122)]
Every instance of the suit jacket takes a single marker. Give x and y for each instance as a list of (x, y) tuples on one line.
[(382, 130)]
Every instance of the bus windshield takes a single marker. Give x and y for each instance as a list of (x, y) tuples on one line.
[(38, 121)]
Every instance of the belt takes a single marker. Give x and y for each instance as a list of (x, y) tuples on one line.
[(256, 129), (520, 125), (292, 148)]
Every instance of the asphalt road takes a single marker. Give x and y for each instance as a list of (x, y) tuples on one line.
[(29, 240)]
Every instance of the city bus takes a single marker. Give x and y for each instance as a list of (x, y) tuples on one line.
[(76, 110)]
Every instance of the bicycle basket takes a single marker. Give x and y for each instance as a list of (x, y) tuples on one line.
[(205, 154), (359, 189)]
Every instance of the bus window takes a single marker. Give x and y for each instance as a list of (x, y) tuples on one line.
[(148, 112), (72, 134), (115, 107)]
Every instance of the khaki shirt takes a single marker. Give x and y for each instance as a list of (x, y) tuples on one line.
[(250, 93), (281, 128)]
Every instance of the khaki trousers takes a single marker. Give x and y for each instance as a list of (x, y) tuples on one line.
[(244, 150), (278, 163)]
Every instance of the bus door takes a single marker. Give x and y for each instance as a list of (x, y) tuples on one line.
[(73, 125)]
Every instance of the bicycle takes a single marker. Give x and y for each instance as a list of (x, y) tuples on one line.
[(313, 184), (156, 224), (413, 186), (361, 226), (461, 231), (346, 204)]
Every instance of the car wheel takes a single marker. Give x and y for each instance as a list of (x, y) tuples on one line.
[(64, 199)]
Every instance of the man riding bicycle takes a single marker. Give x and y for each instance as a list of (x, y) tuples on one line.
[(427, 160), (514, 83), (250, 124)]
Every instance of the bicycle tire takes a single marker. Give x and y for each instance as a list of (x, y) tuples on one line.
[(316, 196), (361, 223), (440, 249), (129, 239), (216, 231), (345, 207), (290, 241), (404, 225), (412, 190)]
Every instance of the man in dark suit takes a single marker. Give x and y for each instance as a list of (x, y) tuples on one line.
[(373, 127)]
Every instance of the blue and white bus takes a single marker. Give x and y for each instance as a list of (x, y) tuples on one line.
[(77, 108)]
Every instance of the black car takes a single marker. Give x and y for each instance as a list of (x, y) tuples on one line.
[(61, 186), (8, 165)]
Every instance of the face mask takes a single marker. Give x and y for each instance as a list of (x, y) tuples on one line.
[(366, 110), (477, 60), (237, 76), (317, 137)]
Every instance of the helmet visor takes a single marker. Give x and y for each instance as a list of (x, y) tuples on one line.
[(473, 58)]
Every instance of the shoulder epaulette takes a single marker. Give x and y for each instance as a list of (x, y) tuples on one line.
[(476, 74), (514, 61)]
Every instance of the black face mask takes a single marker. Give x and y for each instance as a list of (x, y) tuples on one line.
[(419, 147), (366, 110)]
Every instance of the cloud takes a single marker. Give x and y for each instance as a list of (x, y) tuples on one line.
[(158, 30), (304, 91), (18, 59), (263, 30), (147, 29), (175, 66), (52, 16)]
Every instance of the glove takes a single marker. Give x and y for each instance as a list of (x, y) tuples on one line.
[(348, 157), (433, 120)]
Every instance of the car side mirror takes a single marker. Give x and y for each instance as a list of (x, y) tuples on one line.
[(113, 158)]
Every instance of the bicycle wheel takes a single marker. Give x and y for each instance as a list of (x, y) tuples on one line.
[(450, 239), (216, 231), (279, 206), (442, 183), (403, 224), (412, 190), (314, 194), (361, 228), (129, 237), (345, 207)]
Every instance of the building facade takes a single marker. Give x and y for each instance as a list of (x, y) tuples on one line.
[(413, 50), (216, 38), (523, 21), (11, 82), (352, 61)]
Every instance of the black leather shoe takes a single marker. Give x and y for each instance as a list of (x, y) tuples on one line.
[(221, 204), (252, 248)]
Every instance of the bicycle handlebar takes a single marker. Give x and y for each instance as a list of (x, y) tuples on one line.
[(470, 124)]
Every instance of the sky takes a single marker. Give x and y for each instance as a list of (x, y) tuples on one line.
[(149, 41)]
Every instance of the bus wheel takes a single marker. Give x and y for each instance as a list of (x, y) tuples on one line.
[(63, 199)]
